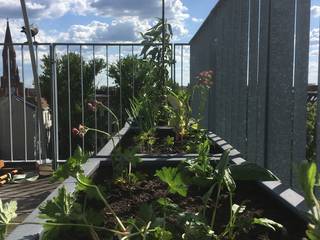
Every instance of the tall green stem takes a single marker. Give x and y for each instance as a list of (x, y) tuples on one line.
[(104, 201), (216, 205)]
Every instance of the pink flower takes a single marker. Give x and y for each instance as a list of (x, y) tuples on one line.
[(205, 78), (92, 107), (75, 131)]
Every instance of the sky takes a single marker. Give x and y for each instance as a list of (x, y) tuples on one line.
[(103, 20), (122, 21)]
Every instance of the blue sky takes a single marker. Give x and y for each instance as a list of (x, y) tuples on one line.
[(122, 20)]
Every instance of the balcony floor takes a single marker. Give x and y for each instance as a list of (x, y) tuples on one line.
[(28, 195)]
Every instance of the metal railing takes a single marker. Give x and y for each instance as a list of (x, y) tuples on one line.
[(27, 140)]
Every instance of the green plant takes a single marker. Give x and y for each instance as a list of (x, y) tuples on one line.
[(169, 143), (123, 162), (133, 75), (311, 131), (7, 214), (173, 178), (146, 140), (201, 166), (309, 180), (143, 112)]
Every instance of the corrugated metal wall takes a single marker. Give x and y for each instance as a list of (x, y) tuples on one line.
[(258, 50)]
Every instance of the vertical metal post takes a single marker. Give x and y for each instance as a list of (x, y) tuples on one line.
[(133, 70), (33, 63), (181, 66), (163, 42), (24, 106), (82, 92), (174, 64), (120, 84), (108, 88), (95, 99), (39, 139), (69, 100), (10, 103), (55, 107)]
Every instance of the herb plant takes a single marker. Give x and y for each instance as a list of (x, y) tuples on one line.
[(309, 180)]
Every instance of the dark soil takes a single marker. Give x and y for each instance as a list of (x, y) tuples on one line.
[(126, 201), (179, 147)]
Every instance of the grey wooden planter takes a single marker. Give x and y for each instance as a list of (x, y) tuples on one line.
[(33, 231), (293, 201)]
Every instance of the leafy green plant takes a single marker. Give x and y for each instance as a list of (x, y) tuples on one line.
[(179, 111), (309, 180), (169, 143), (143, 113), (173, 178), (146, 140), (311, 131), (7, 214), (123, 162), (201, 166)]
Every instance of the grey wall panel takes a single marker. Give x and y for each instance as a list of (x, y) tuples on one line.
[(262, 81), (280, 87), (235, 77), (219, 74), (300, 84), (253, 81), (228, 66), (243, 45)]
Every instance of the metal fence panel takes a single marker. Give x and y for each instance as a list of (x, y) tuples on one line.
[(300, 84), (280, 75)]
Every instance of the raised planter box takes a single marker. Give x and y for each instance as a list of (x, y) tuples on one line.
[(282, 195)]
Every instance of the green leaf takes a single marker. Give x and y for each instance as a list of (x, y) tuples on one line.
[(72, 166), (7, 211), (162, 234), (228, 181), (7, 214), (251, 172), (307, 179), (173, 178), (59, 207), (267, 223)]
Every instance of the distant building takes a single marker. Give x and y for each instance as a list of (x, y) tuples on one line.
[(22, 114)]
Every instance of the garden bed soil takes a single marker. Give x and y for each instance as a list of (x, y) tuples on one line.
[(126, 201), (159, 148)]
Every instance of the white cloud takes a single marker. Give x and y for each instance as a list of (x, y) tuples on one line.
[(314, 53), (197, 20), (314, 36), (315, 11), (176, 11), (37, 8), (124, 29), (313, 72)]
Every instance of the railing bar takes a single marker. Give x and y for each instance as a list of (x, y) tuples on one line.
[(24, 106), (10, 103), (88, 44), (120, 84), (69, 101), (171, 65), (108, 90), (82, 93), (181, 66), (40, 111), (95, 99), (55, 110), (133, 70), (174, 64)]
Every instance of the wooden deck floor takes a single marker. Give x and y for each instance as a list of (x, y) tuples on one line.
[(28, 195)]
